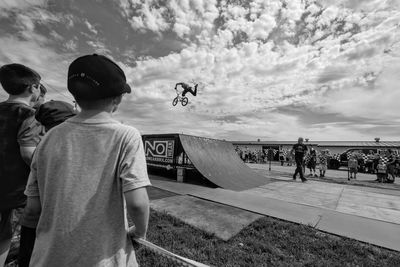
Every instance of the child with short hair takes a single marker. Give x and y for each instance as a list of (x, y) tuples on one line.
[(323, 164), (20, 133), (381, 171), (85, 174), (353, 167), (312, 162)]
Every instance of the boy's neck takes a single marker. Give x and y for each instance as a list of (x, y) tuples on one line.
[(20, 99), (94, 114)]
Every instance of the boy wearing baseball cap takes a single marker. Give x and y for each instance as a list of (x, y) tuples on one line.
[(19, 135), (83, 174)]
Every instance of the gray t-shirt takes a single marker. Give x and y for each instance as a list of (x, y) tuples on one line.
[(80, 171)]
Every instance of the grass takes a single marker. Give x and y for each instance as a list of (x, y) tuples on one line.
[(266, 242)]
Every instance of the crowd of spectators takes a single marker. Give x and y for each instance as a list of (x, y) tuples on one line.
[(248, 156), (314, 160), (386, 166)]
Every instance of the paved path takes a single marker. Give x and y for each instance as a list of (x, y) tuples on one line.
[(286, 173), (337, 197), (372, 217)]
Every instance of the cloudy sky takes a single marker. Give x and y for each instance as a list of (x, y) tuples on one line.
[(274, 70)]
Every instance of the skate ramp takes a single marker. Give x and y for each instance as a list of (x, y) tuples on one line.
[(217, 161)]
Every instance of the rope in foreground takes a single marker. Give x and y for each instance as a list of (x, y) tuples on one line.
[(165, 253), (182, 261)]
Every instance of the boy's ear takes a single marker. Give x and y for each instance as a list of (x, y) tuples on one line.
[(29, 88), (117, 100)]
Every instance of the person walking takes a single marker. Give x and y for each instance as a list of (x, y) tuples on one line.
[(299, 151)]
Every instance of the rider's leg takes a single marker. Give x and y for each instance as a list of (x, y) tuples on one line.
[(194, 93), (195, 90)]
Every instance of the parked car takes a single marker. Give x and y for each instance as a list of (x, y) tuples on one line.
[(365, 164)]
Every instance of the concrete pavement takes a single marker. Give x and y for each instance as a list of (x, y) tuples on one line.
[(346, 210), (286, 173)]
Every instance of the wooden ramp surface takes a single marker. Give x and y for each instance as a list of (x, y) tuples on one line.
[(217, 161)]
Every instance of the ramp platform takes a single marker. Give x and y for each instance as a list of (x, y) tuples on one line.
[(216, 160)]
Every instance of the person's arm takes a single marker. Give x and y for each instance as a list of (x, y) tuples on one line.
[(137, 203), (33, 206), (32, 212), (27, 153), (29, 135), (134, 177)]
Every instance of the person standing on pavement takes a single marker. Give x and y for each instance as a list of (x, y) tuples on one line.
[(299, 151), (391, 165), (281, 155), (381, 171), (353, 167), (323, 162), (312, 162)]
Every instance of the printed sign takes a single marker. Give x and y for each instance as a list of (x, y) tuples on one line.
[(161, 151)]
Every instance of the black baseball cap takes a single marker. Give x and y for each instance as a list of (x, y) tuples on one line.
[(94, 77)]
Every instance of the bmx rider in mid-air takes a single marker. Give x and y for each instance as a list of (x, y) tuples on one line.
[(187, 89)]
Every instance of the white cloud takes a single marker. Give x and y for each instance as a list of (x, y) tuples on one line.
[(56, 36), (261, 27), (190, 17), (99, 47), (21, 5), (379, 103), (329, 14), (48, 63), (71, 45), (252, 78), (294, 9), (257, 60), (143, 16), (90, 27)]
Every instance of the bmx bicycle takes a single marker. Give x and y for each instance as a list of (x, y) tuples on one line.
[(183, 99)]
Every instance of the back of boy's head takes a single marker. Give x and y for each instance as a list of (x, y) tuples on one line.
[(52, 113), (94, 80), (15, 78)]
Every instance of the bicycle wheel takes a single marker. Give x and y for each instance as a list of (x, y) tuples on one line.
[(184, 101), (175, 101)]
